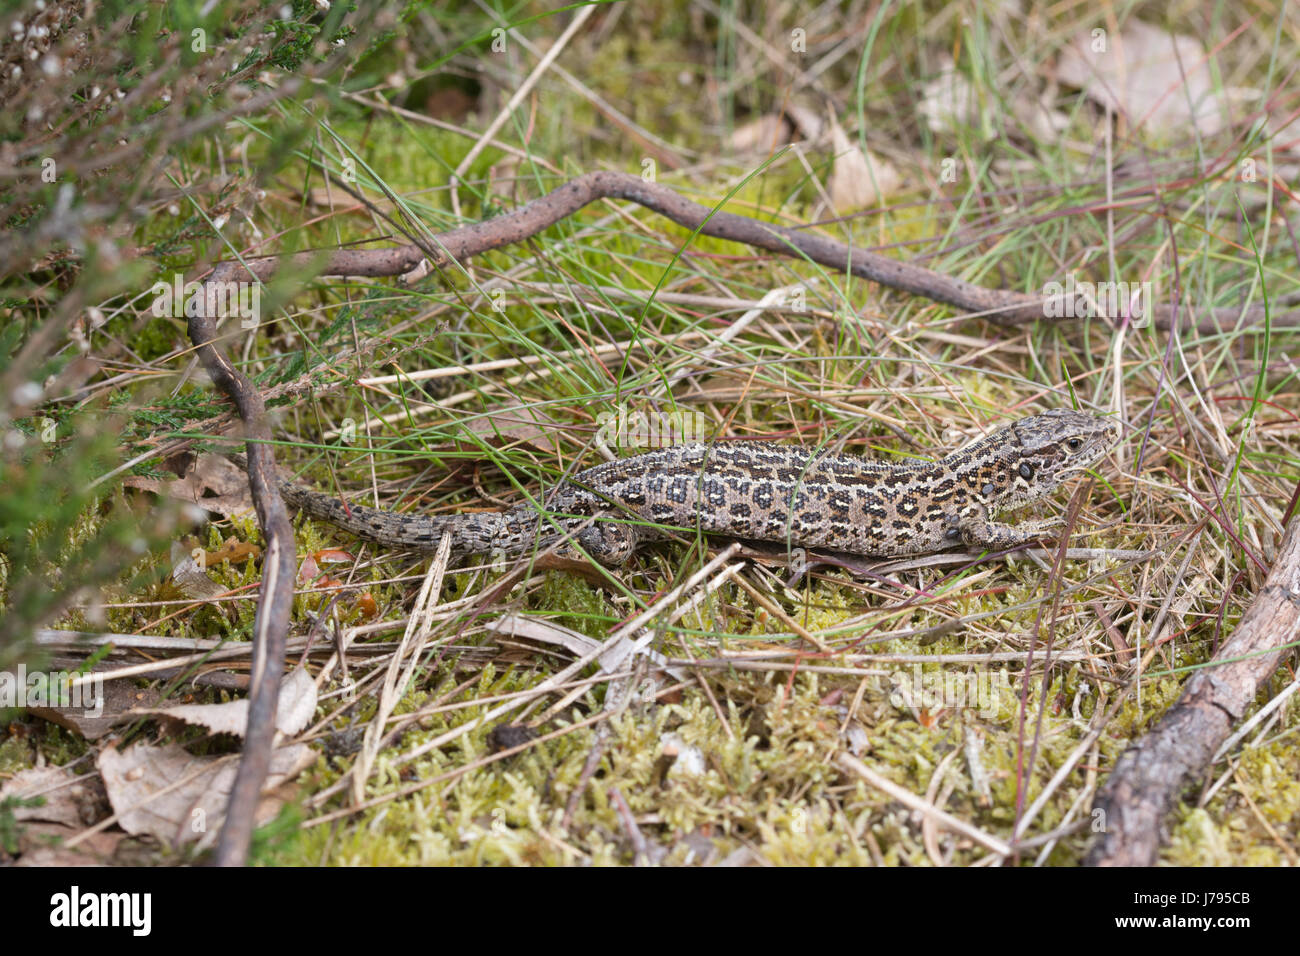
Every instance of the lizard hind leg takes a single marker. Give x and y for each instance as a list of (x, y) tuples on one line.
[(609, 543), (522, 531)]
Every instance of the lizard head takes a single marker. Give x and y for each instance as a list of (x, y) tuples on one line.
[(1056, 446)]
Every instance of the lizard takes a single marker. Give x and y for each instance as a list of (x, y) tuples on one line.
[(760, 491)]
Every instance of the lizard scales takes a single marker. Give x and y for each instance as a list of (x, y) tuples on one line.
[(772, 493)]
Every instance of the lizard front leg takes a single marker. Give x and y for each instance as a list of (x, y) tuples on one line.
[(976, 530)]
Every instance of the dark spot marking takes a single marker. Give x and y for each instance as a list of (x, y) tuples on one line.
[(677, 491)]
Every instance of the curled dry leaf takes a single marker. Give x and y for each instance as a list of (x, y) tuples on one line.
[(762, 135), (189, 574), (212, 482), (232, 550), (949, 102), (858, 180), (294, 711), (70, 798), (1160, 81), (310, 575), (367, 605), (333, 556), (179, 798), (308, 571)]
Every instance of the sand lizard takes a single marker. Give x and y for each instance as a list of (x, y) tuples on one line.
[(755, 490)]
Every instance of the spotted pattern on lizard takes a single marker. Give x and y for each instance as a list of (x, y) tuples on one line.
[(755, 490)]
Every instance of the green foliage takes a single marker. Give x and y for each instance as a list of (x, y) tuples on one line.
[(54, 542), (277, 839), (66, 526), (9, 826)]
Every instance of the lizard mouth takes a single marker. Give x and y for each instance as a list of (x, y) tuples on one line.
[(1076, 468)]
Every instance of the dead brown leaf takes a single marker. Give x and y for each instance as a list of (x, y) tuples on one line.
[(1160, 81), (296, 707), (858, 180), (232, 550), (212, 482), (41, 845), (179, 798), (70, 798)]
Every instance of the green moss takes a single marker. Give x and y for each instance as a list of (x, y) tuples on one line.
[(15, 755)]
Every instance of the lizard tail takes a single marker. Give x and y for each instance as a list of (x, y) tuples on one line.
[(511, 533), (471, 534)]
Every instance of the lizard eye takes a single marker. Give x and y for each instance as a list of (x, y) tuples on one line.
[(1026, 470), (1074, 443)]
